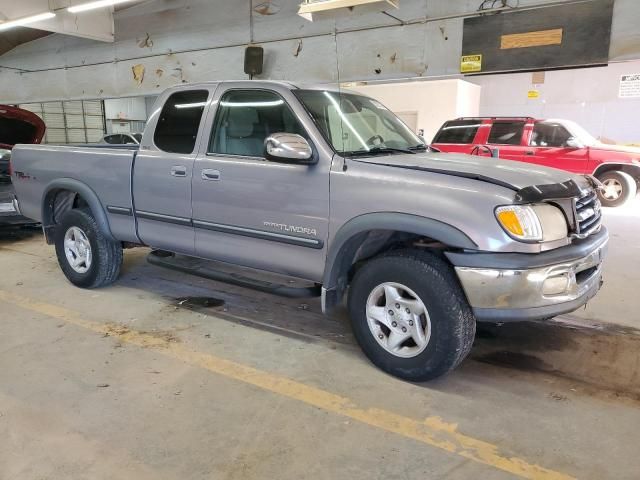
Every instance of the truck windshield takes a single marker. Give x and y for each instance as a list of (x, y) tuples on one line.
[(358, 125)]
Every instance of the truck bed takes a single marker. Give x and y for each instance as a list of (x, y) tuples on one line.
[(105, 169)]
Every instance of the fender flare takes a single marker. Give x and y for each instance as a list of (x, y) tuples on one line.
[(350, 236), (622, 167), (85, 192)]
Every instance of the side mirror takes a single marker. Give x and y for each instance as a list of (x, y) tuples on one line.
[(288, 147), (573, 142)]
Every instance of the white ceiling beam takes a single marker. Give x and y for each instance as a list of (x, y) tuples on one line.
[(93, 24)]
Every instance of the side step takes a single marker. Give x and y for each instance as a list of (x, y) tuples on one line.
[(226, 273)]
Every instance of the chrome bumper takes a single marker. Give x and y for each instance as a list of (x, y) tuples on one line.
[(534, 293)]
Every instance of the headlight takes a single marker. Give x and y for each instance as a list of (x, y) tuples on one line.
[(533, 223)]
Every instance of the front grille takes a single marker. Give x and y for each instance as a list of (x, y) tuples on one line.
[(588, 215)]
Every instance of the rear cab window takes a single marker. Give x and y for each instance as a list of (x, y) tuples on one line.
[(458, 131), (179, 121), (506, 133)]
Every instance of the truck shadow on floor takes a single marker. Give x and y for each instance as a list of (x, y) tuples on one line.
[(9, 234), (603, 357)]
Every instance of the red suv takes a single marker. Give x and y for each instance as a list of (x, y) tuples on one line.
[(554, 143)]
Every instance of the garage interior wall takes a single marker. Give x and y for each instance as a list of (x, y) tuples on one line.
[(170, 42), (75, 121), (125, 115), (425, 106), (568, 94)]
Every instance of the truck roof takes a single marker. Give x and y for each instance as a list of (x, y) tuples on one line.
[(496, 118), (265, 83)]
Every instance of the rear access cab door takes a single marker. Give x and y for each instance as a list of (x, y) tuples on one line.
[(163, 169)]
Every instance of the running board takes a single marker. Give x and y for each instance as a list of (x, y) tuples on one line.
[(205, 269)]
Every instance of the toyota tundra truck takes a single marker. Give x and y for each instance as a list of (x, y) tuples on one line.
[(327, 186)]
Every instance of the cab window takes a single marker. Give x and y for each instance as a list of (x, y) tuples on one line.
[(179, 121), (245, 118), (458, 131), (547, 134), (506, 133)]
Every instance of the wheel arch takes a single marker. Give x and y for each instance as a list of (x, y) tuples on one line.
[(631, 169), (347, 245), (64, 194)]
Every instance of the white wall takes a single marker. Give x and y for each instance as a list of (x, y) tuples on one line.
[(133, 108), (588, 96), (434, 101)]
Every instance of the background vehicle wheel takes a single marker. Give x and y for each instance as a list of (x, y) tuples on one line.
[(619, 188), (86, 256), (410, 315)]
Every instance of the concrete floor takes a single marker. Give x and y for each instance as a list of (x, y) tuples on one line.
[(132, 381)]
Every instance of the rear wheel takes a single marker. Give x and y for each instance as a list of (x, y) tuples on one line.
[(86, 256), (619, 187), (410, 315)]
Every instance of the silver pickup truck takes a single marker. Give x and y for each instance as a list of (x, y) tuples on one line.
[(331, 187)]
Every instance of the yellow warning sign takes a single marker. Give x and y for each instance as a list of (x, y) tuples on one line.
[(533, 94), (470, 63)]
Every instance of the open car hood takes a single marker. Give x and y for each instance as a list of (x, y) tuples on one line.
[(19, 126)]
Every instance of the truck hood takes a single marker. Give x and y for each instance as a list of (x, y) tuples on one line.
[(19, 126), (635, 151), (510, 174)]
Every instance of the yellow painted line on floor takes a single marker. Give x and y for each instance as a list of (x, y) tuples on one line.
[(432, 431)]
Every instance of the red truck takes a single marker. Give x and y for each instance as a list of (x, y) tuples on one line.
[(16, 126), (554, 143)]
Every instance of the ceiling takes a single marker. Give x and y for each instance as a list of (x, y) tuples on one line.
[(14, 37), (17, 36)]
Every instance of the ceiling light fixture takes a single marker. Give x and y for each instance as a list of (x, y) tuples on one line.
[(19, 22), (83, 7), (309, 7)]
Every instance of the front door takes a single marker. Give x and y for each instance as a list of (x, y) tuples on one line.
[(162, 173), (550, 145), (250, 211)]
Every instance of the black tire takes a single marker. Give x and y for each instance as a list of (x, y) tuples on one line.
[(626, 181), (106, 253), (434, 281)]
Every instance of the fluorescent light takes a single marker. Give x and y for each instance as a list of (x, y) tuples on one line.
[(271, 103), (190, 105), (83, 7), (26, 20)]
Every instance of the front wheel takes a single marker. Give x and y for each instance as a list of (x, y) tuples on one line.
[(410, 316), (619, 187), (86, 256)]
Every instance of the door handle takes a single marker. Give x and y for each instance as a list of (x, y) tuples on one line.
[(179, 171), (210, 174), (529, 152)]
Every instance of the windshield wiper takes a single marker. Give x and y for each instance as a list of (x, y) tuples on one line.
[(419, 148), (377, 150)]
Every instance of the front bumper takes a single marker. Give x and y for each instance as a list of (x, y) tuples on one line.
[(517, 287)]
